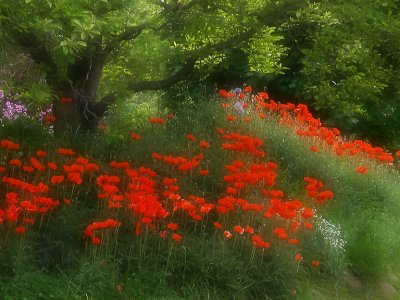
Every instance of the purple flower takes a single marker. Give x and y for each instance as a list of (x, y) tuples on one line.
[(239, 106), (14, 110), (237, 91)]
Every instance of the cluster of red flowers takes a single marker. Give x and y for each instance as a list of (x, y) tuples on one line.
[(303, 122), (24, 200), (93, 229), (313, 190), (306, 125), (241, 94), (8, 145), (243, 143), (66, 100), (182, 163), (151, 198), (161, 121), (28, 195)]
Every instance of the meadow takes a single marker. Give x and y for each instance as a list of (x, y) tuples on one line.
[(236, 196)]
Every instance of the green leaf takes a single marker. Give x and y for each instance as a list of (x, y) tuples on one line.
[(81, 43)]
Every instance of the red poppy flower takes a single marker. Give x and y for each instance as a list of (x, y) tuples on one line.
[(28, 169), (36, 164), (41, 153), (217, 225), (57, 179), (29, 221), (65, 151), (308, 225), (203, 172), (157, 156), (238, 229), (315, 263), (204, 144), (298, 257), (248, 89), (362, 170), (263, 95), (314, 149), (15, 162), (230, 118), (52, 166), (249, 230), (191, 137), (138, 228), (49, 119), (96, 241), (307, 213), (281, 233), (91, 167), (227, 234), (146, 220), (176, 237), (223, 93), (7, 144), (231, 191), (20, 229), (66, 100), (173, 226), (157, 121), (75, 178), (135, 136)]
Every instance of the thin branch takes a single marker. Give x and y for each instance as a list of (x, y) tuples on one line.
[(36, 49), (191, 3), (188, 67), (129, 34), (133, 32), (178, 76)]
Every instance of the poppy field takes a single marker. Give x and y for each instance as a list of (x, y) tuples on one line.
[(238, 197)]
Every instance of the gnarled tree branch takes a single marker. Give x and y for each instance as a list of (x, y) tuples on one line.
[(188, 67), (37, 51), (129, 34), (180, 75)]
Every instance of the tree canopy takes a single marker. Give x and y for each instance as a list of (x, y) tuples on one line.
[(344, 59), (341, 57), (141, 45)]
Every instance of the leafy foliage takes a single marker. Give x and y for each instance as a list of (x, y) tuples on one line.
[(343, 61)]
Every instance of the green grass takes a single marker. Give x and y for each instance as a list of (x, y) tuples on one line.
[(365, 206), (357, 232)]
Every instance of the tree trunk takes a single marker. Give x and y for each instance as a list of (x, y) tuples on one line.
[(83, 112)]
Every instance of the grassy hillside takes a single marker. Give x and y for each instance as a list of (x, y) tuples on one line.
[(234, 197)]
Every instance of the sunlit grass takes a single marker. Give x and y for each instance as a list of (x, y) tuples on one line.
[(256, 251)]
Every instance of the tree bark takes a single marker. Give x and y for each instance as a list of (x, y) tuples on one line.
[(84, 112)]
